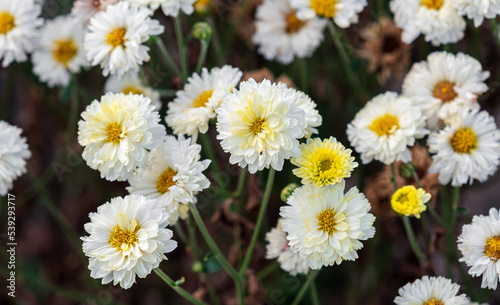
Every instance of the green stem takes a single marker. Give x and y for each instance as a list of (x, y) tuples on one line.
[(413, 241), (240, 186), (416, 178), (314, 294), (175, 286), (182, 47), (260, 220), (180, 232), (167, 58), (203, 55), (267, 270), (310, 278), (393, 177), (192, 239), (214, 165)]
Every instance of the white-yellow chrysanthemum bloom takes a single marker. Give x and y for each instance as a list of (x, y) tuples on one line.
[(467, 149), (174, 176), (60, 51), (277, 248), (14, 152), (19, 21), (410, 201), (127, 238), (478, 10), (116, 37), (131, 83), (304, 102), (282, 36), (385, 128), (343, 12), (444, 85), (480, 247), (324, 226), (169, 7), (438, 20), (260, 126), (323, 162), (116, 133), (190, 112), (431, 291)]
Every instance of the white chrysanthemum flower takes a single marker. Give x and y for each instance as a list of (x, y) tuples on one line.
[(60, 51), (444, 85), (169, 7), (116, 36), (431, 290), (260, 126), (480, 247), (304, 102), (14, 152), (478, 10), (115, 133), (467, 149), (85, 9), (324, 226), (438, 20), (174, 176), (128, 238), (19, 21), (282, 36), (190, 112), (131, 83), (385, 127), (278, 248), (343, 12)]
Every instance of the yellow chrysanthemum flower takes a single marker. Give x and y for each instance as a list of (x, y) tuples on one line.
[(323, 162), (410, 201)]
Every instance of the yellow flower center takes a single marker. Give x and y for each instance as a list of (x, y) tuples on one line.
[(114, 131), (7, 22), (434, 302), (258, 125), (406, 201), (492, 249), (166, 180), (116, 37), (201, 5), (293, 24), (464, 140), (132, 89), (432, 4), (327, 221), (385, 125), (64, 51), (122, 239), (202, 99), (324, 8), (444, 91)]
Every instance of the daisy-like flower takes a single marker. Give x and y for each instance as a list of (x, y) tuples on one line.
[(480, 247), (431, 291), (174, 176), (385, 127), (343, 12), (324, 226), (85, 9), (410, 201), (13, 155), (260, 126), (478, 10), (467, 149), (19, 21), (304, 102), (282, 36), (60, 52), (438, 20), (169, 7), (190, 112), (278, 248), (127, 238), (131, 83), (323, 162), (116, 133), (444, 85), (116, 36)]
